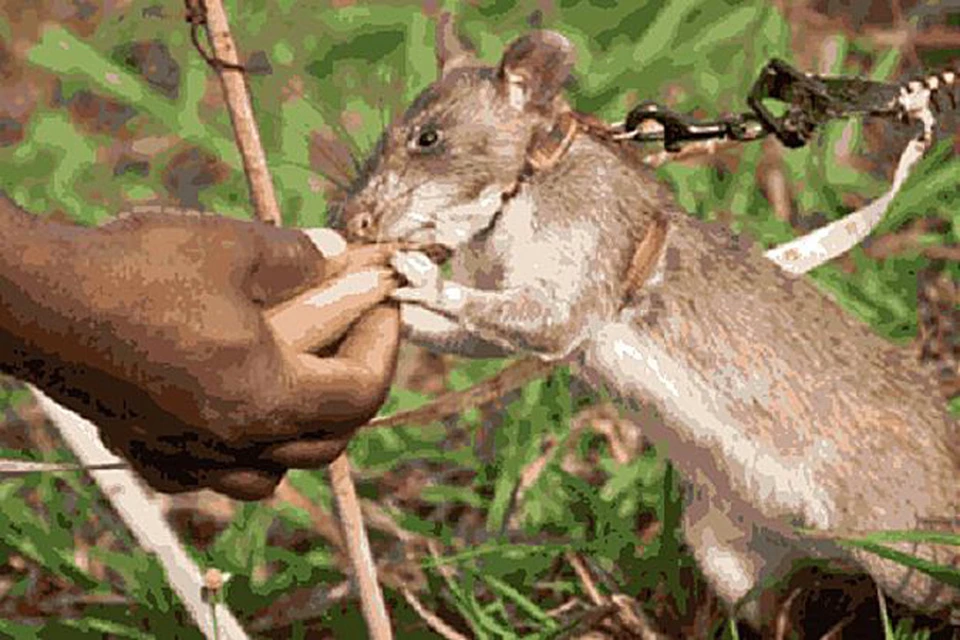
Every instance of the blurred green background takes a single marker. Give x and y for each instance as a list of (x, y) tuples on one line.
[(106, 106)]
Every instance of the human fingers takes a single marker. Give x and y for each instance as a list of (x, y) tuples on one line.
[(359, 257), (334, 395), (244, 483), (306, 453), (319, 317)]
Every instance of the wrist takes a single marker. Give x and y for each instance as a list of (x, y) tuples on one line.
[(19, 228), (35, 254)]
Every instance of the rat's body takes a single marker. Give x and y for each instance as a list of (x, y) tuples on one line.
[(780, 409)]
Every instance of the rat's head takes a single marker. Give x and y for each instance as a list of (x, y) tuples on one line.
[(439, 172)]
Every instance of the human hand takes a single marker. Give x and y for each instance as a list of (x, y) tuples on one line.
[(156, 328)]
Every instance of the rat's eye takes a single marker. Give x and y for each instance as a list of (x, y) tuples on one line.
[(428, 138)]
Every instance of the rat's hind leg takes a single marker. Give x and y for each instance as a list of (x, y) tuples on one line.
[(734, 554)]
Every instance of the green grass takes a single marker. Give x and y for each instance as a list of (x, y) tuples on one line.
[(343, 71)]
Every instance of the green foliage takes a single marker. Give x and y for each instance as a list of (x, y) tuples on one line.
[(346, 70)]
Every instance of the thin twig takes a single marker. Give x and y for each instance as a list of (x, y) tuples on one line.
[(265, 204), (632, 617), (512, 377), (145, 520), (11, 467), (783, 615), (301, 605), (358, 548), (528, 477), (323, 521), (241, 114), (433, 620), (580, 568)]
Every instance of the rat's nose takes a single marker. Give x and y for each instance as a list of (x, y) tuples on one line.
[(360, 226)]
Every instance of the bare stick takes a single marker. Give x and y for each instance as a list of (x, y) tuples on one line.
[(433, 620), (13, 467), (514, 376), (265, 204), (241, 115), (358, 548), (145, 520)]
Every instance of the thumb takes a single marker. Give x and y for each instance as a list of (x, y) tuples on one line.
[(334, 395), (364, 256), (287, 261)]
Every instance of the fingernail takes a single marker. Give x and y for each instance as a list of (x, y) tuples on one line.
[(353, 284), (327, 241)]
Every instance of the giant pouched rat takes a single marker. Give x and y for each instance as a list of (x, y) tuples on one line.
[(783, 412)]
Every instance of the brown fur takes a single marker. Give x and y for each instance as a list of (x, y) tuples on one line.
[(782, 409)]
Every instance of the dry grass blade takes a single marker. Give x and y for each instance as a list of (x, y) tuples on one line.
[(528, 477), (512, 377), (783, 616), (323, 521), (589, 620), (145, 519), (629, 617), (10, 467), (300, 606), (836, 631), (633, 618), (580, 568), (432, 620)]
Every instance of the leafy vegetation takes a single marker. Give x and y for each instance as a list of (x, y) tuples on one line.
[(116, 108)]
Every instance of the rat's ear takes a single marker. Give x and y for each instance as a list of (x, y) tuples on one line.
[(452, 50), (534, 68)]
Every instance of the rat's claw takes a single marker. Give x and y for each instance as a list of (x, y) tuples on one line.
[(423, 276), (417, 268)]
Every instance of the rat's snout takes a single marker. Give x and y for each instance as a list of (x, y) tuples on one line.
[(359, 221), (360, 227)]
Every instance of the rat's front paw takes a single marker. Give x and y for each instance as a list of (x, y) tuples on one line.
[(426, 286), (418, 269), (422, 275)]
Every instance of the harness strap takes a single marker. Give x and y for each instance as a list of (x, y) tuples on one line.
[(645, 258), (546, 149)]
